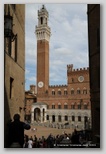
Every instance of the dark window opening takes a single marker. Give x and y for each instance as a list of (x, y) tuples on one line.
[(59, 92), (66, 118), (73, 118), (11, 87), (65, 106), (53, 106), (41, 20), (59, 106), (79, 118)]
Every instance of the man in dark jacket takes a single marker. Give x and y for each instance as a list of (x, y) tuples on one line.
[(16, 132)]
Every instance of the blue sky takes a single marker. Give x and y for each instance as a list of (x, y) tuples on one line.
[(68, 42)]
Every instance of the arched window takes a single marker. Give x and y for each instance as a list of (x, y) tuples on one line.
[(72, 91), (85, 106), (41, 20), (59, 105), (59, 92), (53, 92), (66, 118), (47, 117), (79, 118), (53, 106), (72, 105), (65, 106), (72, 80), (79, 105), (65, 92), (78, 91), (73, 118), (84, 91)]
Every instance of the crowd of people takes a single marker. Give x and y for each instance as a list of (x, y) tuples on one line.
[(59, 141), (17, 139)]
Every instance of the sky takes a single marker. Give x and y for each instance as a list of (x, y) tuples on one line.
[(68, 41)]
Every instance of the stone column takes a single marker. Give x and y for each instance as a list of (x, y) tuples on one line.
[(62, 119), (32, 116), (82, 122), (45, 114), (50, 118), (41, 117), (56, 118), (76, 121)]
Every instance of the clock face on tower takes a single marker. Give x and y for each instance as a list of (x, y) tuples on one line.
[(40, 84), (80, 78)]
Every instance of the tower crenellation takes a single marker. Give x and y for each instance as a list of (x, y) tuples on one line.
[(70, 69)]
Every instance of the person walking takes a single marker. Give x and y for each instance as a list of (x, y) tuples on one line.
[(30, 143), (16, 132)]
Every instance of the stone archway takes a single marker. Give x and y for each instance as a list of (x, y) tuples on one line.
[(37, 114)]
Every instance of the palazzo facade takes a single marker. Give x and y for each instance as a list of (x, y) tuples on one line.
[(59, 103)]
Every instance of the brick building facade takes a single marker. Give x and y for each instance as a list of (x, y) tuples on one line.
[(59, 103)]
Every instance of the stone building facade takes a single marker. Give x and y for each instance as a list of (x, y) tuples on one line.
[(14, 62), (94, 65), (59, 103)]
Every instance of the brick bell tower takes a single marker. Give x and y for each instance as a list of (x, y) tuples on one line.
[(43, 33)]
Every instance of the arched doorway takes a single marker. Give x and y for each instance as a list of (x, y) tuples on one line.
[(37, 116), (53, 118)]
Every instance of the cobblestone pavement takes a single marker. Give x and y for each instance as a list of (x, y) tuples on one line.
[(45, 131)]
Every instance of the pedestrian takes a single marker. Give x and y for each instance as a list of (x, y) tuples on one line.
[(30, 143), (16, 132)]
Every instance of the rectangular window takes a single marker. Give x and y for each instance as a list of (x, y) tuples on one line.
[(11, 87)]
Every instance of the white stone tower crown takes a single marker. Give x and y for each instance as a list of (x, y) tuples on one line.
[(43, 30)]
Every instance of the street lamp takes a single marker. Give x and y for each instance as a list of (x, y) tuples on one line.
[(8, 25)]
